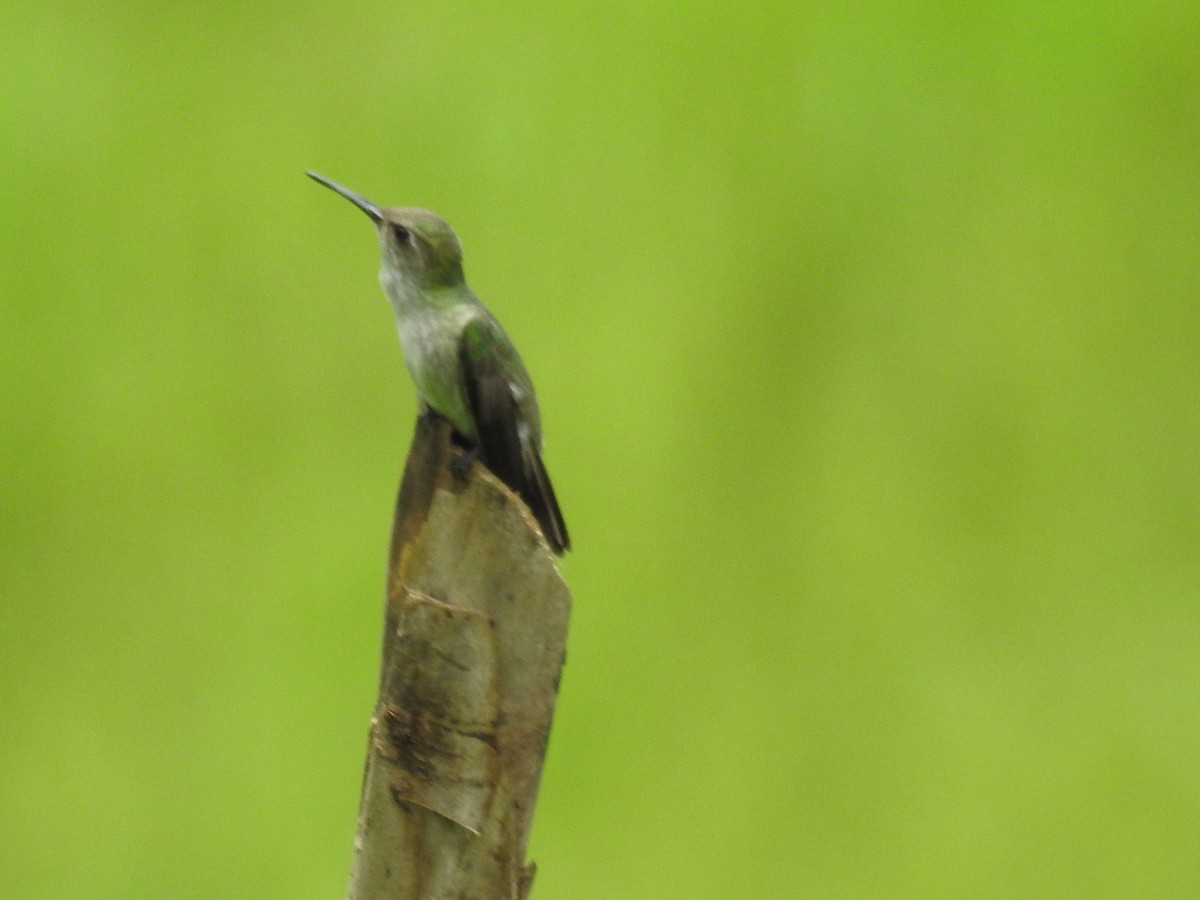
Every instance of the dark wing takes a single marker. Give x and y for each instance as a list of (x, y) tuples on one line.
[(496, 414)]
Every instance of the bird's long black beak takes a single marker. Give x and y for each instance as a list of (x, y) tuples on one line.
[(361, 202)]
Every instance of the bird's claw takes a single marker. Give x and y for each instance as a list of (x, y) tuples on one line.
[(462, 462)]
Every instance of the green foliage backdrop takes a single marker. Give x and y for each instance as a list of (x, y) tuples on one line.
[(866, 337)]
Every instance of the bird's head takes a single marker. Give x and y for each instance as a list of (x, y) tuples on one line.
[(419, 249)]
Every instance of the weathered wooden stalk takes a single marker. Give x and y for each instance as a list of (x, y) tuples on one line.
[(474, 642)]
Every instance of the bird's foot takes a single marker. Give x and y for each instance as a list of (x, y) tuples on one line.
[(462, 462)]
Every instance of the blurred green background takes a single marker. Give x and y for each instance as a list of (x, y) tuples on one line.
[(866, 339)]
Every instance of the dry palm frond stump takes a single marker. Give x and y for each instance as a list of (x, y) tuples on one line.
[(473, 647)]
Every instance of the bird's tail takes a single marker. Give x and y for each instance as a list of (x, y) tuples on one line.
[(539, 494)]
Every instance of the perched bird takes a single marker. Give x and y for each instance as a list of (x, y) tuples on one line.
[(462, 362)]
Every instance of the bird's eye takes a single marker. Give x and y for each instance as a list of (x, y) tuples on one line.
[(402, 235)]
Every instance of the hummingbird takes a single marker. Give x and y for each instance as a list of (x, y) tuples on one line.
[(463, 364)]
